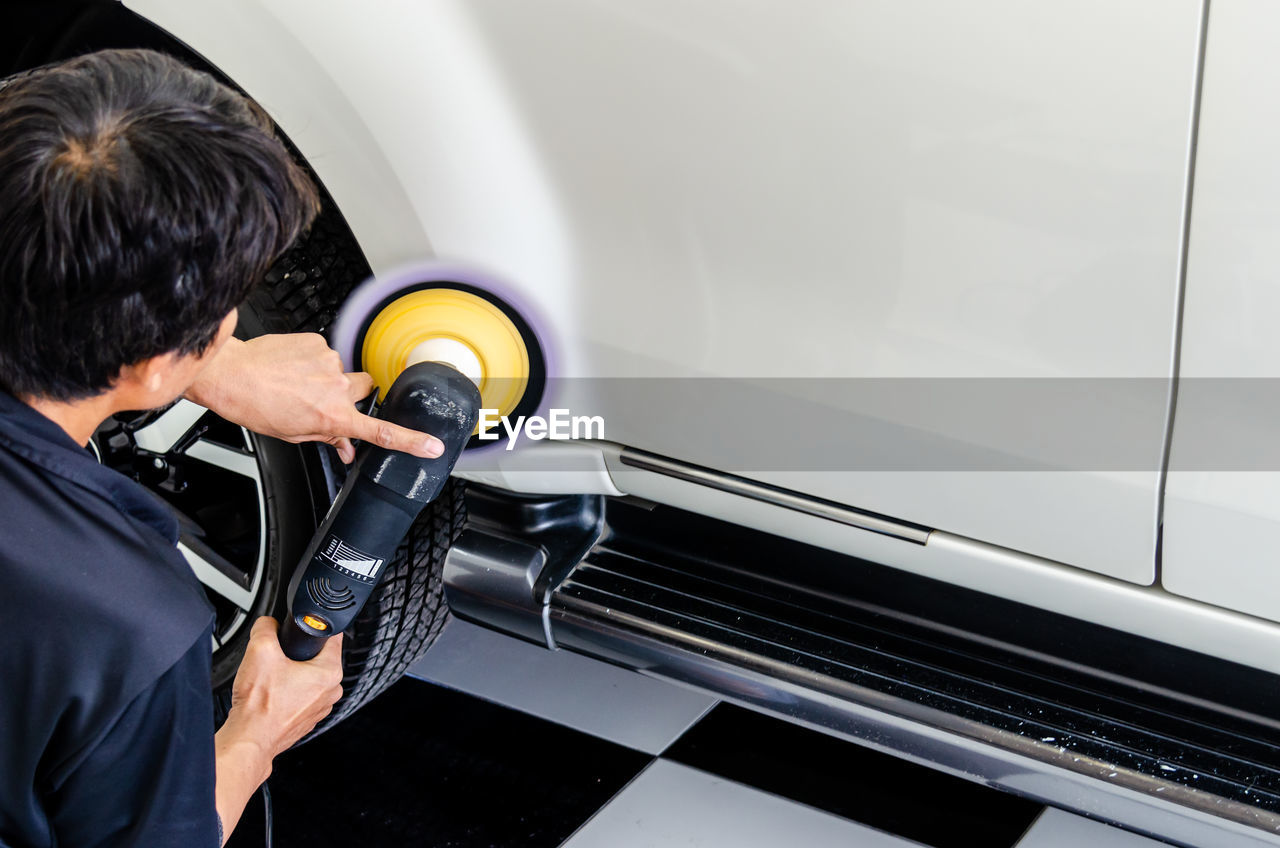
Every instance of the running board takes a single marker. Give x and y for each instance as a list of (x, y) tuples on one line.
[(1154, 738)]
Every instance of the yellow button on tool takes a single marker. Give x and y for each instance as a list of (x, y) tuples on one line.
[(313, 622)]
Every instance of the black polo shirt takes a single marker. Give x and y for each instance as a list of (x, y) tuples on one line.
[(106, 717)]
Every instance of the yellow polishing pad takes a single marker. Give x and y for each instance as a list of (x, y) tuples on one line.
[(459, 316)]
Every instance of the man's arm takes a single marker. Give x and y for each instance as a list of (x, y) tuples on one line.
[(292, 387), (275, 701)]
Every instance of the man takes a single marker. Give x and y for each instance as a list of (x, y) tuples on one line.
[(139, 202)]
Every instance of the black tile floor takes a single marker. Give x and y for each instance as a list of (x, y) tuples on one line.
[(852, 781), (423, 765)]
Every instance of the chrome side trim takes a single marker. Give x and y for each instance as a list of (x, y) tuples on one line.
[(1026, 767), (775, 495)]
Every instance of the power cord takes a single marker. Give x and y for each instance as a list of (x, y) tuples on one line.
[(266, 815)]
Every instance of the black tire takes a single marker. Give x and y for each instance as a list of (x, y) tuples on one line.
[(407, 610), (406, 613)]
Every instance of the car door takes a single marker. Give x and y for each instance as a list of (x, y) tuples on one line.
[(921, 257)]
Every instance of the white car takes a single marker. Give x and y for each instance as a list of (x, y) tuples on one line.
[(933, 346)]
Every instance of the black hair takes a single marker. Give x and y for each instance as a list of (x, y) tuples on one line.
[(140, 200)]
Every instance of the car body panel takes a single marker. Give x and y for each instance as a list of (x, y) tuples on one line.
[(841, 191), (866, 191)]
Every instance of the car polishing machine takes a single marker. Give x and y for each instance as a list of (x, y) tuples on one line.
[(439, 353)]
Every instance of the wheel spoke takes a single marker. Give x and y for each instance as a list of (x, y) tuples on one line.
[(212, 571), (164, 433), (184, 454), (224, 457)]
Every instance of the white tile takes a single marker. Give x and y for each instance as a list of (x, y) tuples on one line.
[(1059, 829), (673, 805), (594, 697)]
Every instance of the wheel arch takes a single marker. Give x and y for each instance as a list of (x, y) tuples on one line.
[(246, 46)]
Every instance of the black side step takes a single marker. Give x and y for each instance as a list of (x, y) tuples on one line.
[(1128, 710), (1159, 739)]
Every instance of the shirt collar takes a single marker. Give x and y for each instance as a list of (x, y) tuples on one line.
[(39, 440)]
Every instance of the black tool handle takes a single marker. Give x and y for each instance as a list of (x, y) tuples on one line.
[(384, 492)]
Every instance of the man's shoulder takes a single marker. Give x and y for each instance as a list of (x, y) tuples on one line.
[(87, 588)]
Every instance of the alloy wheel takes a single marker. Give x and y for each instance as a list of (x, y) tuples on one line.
[(208, 471)]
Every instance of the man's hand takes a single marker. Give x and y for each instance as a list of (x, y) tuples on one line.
[(275, 701), (292, 387)]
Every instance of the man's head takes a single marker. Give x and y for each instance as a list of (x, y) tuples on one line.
[(139, 202)]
